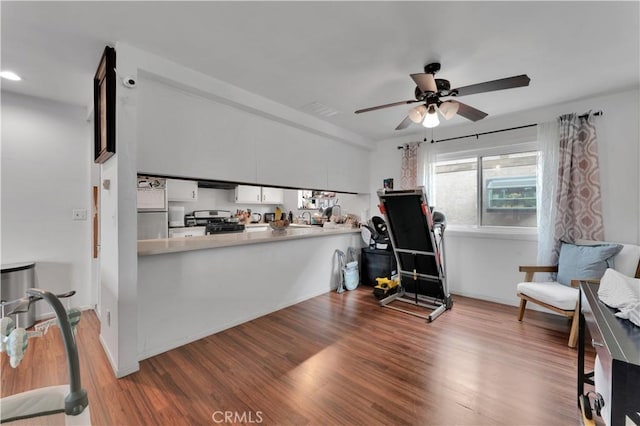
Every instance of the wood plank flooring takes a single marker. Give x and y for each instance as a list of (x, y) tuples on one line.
[(335, 359)]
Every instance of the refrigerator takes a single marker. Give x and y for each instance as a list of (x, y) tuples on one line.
[(153, 208)]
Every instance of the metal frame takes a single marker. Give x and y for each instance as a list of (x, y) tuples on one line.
[(438, 306), (76, 402)]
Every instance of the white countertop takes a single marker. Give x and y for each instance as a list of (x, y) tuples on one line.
[(176, 245)]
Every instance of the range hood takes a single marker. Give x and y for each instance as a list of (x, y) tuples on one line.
[(215, 184)]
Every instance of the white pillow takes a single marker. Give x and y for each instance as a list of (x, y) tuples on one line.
[(618, 290)]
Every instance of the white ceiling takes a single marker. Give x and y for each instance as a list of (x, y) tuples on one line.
[(345, 55)]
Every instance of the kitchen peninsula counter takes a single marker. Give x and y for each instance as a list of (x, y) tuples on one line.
[(197, 286), (176, 245)]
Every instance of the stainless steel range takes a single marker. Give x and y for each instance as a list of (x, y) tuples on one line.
[(216, 221)]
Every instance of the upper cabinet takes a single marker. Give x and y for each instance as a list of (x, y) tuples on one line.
[(272, 195), (348, 169), (182, 190), (246, 194), (181, 133), (292, 158)]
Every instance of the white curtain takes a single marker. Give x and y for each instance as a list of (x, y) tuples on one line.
[(549, 140), (426, 170)]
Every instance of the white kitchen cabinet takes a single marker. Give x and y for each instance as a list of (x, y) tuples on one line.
[(182, 190), (246, 194), (272, 195), (348, 170), (167, 114)]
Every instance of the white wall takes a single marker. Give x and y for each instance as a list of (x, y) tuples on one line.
[(118, 263), (485, 265), (45, 175)]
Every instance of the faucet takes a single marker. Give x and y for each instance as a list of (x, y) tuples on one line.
[(302, 215)]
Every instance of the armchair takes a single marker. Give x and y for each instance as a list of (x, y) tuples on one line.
[(561, 296)]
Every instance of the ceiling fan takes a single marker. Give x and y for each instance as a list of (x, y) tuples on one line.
[(429, 90)]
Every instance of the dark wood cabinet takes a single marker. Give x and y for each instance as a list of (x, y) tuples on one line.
[(617, 344)]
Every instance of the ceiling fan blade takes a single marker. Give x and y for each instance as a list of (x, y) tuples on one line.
[(404, 123), (425, 82), (490, 86), (469, 112), (411, 101)]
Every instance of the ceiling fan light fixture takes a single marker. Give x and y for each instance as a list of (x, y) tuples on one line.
[(417, 114), (431, 118), (449, 109)]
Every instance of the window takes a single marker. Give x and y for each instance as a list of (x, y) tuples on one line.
[(456, 190), (504, 186)]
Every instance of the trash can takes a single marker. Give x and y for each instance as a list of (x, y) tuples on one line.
[(16, 279)]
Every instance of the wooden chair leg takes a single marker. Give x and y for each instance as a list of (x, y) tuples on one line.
[(573, 336), (523, 304)]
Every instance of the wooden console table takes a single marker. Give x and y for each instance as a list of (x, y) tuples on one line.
[(617, 343)]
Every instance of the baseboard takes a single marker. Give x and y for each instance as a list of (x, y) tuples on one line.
[(221, 327), (118, 372), (48, 315)]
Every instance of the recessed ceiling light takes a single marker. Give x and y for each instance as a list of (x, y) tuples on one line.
[(10, 75)]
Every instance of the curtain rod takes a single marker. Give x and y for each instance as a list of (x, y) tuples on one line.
[(476, 135)]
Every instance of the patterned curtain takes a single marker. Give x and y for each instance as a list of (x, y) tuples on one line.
[(409, 166), (578, 198)]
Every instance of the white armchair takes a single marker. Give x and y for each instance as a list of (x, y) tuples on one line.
[(562, 298)]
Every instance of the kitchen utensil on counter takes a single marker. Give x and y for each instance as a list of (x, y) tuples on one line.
[(256, 217), (269, 217)]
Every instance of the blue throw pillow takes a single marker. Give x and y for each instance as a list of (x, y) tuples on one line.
[(585, 262)]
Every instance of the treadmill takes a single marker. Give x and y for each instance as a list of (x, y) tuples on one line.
[(418, 245)]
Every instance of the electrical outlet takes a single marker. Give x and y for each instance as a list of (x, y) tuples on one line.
[(79, 214)]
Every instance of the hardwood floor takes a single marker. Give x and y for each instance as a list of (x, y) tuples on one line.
[(334, 359)]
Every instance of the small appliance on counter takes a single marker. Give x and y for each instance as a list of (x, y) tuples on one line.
[(176, 216), (269, 217), (215, 221), (152, 207)]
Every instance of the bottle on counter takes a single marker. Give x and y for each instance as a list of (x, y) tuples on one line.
[(290, 216)]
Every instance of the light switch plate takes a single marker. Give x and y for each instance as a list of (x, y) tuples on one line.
[(79, 214)]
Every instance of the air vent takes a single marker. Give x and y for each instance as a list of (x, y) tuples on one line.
[(321, 110)]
